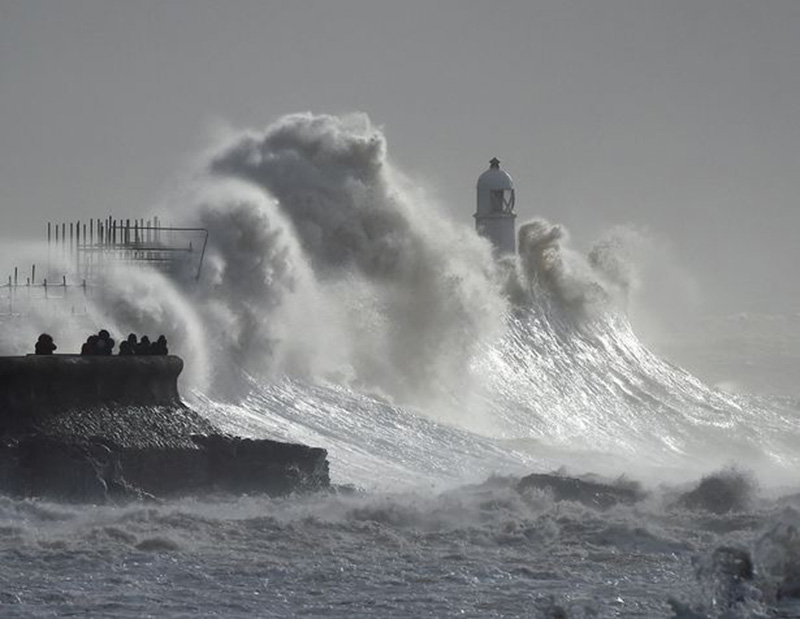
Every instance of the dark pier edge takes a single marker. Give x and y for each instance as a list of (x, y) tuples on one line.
[(87, 428)]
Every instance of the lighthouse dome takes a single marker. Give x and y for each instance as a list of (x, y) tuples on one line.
[(495, 179)]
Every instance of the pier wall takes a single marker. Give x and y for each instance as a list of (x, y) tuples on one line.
[(39, 386), (93, 428)]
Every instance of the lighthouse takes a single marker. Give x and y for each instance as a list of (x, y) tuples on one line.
[(494, 218)]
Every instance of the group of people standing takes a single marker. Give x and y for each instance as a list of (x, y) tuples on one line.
[(143, 346), (102, 344)]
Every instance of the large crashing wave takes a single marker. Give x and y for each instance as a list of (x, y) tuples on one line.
[(390, 297), (337, 303), (329, 266)]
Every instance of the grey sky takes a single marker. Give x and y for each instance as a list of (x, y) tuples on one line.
[(680, 116)]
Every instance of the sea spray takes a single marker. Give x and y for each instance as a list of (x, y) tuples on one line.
[(408, 296), (327, 316), (326, 273)]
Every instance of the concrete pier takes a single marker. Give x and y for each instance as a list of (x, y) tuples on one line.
[(92, 427)]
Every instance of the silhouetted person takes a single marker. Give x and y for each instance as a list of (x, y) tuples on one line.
[(143, 347), (132, 343), (45, 345), (125, 349), (160, 347), (90, 346), (105, 345)]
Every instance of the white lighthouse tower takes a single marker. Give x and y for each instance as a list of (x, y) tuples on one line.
[(495, 216)]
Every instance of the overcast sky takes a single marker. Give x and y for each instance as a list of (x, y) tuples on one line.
[(680, 116)]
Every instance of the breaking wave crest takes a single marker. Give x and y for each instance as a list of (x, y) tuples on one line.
[(338, 305)]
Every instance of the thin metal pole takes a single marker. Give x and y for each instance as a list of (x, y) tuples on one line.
[(77, 247)]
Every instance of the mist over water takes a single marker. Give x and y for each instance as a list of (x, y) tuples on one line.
[(337, 306), (330, 276), (397, 297)]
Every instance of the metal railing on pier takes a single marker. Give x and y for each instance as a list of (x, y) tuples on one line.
[(19, 298), (99, 244), (88, 250)]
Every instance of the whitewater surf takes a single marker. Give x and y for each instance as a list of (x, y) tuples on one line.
[(338, 307)]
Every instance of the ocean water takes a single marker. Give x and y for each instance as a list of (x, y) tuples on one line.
[(339, 308), (432, 524)]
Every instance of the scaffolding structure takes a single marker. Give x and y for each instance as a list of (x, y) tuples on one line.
[(62, 297), (88, 250), (101, 244)]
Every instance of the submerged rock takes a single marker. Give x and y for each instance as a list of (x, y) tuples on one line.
[(721, 493), (92, 428), (777, 553), (590, 493)]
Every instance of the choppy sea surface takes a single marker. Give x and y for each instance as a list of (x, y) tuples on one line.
[(436, 377), (428, 520), (478, 552)]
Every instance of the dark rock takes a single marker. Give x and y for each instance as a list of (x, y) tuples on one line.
[(719, 494), (590, 493), (92, 428), (777, 553), (250, 465), (726, 578), (734, 563)]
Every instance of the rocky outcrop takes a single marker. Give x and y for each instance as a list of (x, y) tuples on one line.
[(592, 493), (92, 428), (73, 469), (720, 493)]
